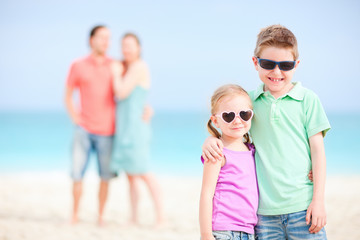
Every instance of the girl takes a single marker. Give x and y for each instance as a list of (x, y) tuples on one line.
[(229, 194)]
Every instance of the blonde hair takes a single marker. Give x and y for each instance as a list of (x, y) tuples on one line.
[(221, 92), (276, 36)]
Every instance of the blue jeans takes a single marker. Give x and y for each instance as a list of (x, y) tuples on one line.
[(287, 226), (85, 142), (232, 235)]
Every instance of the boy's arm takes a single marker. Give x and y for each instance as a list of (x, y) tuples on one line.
[(212, 149), (316, 210), (210, 176)]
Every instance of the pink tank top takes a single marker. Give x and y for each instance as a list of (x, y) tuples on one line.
[(236, 195)]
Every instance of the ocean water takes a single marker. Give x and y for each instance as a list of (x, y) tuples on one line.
[(41, 141)]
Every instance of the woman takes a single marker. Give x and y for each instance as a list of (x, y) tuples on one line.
[(132, 139)]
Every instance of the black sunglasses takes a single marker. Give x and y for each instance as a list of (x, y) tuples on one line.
[(270, 64), (228, 117)]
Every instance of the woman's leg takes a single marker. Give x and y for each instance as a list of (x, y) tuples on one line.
[(134, 198), (156, 194)]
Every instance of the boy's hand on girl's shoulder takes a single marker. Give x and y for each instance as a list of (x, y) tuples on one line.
[(212, 149), (316, 215)]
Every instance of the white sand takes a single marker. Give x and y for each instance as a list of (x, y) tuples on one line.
[(38, 205)]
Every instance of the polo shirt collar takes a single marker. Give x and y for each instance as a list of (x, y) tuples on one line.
[(91, 58), (259, 91), (297, 92)]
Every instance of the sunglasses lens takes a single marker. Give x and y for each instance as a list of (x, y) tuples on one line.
[(287, 66), (228, 117), (266, 64), (246, 115)]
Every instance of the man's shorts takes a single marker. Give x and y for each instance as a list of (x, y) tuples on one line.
[(83, 144)]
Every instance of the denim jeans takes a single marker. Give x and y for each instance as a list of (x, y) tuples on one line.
[(287, 226), (85, 142), (232, 235)]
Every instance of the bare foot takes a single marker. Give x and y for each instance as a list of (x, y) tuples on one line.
[(74, 220), (160, 224), (101, 222), (132, 223)]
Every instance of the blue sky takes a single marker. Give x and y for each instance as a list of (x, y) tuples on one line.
[(192, 47)]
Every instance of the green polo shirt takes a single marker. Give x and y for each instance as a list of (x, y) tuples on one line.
[(280, 130)]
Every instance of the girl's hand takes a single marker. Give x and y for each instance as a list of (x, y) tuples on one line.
[(212, 149), (317, 215)]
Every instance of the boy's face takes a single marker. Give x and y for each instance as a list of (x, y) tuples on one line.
[(276, 81)]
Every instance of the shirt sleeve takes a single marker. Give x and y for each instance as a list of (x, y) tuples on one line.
[(72, 78), (316, 119)]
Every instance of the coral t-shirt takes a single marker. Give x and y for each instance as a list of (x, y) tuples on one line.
[(97, 105)]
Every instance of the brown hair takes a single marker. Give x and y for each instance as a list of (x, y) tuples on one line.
[(221, 92), (276, 36), (95, 29), (133, 35)]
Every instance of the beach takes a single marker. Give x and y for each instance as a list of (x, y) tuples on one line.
[(37, 205)]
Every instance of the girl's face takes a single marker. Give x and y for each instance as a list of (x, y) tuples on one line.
[(238, 127), (130, 49)]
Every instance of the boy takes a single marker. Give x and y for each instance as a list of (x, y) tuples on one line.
[(288, 128)]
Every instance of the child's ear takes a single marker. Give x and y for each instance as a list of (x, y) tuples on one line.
[(214, 120), (255, 61)]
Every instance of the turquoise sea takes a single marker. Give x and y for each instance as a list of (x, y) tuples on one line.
[(41, 141)]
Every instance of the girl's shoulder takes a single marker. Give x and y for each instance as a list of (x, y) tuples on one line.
[(251, 147), (140, 65)]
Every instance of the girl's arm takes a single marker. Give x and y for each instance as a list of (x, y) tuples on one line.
[(210, 176), (316, 210), (212, 149), (123, 86)]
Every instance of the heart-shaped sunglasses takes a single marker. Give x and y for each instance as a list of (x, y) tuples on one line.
[(229, 117)]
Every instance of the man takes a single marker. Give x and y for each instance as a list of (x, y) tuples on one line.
[(95, 120)]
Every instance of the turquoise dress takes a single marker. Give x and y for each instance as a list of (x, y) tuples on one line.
[(131, 150)]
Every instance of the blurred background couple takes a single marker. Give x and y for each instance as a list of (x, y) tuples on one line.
[(111, 120)]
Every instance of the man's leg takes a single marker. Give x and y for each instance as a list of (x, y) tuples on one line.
[(103, 193), (77, 191), (80, 156), (103, 146)]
